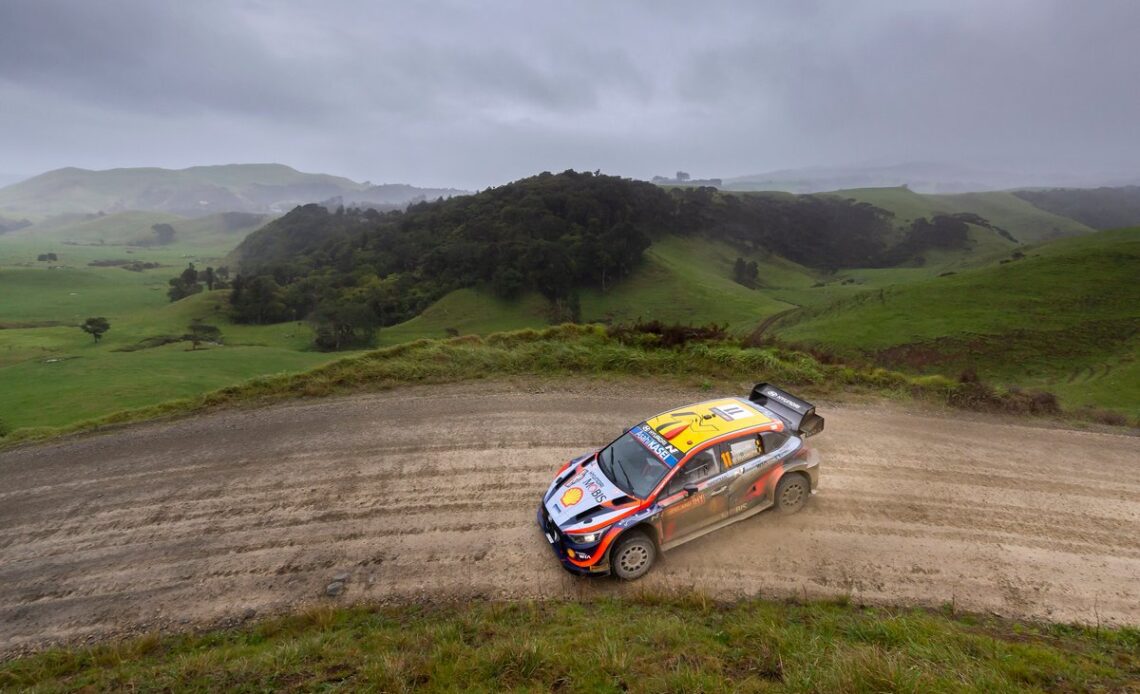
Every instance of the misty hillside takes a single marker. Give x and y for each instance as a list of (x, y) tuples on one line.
[(196, 191), (1100, 208), (1019, 218), (922, 177), (137, 228)]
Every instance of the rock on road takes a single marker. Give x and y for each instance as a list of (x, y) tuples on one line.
[(430, 492)]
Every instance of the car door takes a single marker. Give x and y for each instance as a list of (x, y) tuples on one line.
[(683, 513), (751, 463)]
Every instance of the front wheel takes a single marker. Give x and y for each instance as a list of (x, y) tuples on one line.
[(792, 493), (633, 556)]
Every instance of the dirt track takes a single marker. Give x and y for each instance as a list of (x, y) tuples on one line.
[(430, 492)]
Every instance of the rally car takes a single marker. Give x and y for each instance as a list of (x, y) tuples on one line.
[(678, 476)]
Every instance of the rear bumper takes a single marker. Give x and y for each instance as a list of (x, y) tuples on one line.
[(561, 548)]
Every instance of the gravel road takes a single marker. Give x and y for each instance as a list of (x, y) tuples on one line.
[(429, 493)]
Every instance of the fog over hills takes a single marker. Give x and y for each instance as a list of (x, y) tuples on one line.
[(197, 191), (922, 177)]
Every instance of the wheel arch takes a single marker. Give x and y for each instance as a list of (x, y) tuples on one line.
[(645, 527)]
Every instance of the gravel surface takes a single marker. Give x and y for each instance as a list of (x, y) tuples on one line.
[(429, 493)]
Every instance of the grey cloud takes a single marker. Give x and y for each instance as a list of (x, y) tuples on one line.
[(472, 94)]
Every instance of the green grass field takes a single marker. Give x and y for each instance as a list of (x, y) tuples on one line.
[(55, 374), (645, 644)]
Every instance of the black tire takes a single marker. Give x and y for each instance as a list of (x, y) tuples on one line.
[(633, 556), (792, 493)]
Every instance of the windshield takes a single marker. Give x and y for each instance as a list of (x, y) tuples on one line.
[(631, 466)]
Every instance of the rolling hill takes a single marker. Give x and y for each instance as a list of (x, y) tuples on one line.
[(1024, 221), (1100, 208), (1063, 317), (195, 191)]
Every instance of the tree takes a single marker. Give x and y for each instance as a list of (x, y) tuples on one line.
[(47, 257), (343, 323), (682, 176), (746, 273), (95, 327), (210, 278), (185, 284), (163, 233), (752, 273), (201, 332), (259, 300)]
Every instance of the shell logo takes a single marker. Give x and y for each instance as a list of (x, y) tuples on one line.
[(572, 496)]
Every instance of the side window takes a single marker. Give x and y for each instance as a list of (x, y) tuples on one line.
[(699, 468), (773, 440), (741, 450)]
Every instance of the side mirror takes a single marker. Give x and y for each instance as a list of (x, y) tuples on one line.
[(690, 489)]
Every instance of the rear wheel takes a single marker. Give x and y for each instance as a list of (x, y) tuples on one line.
[(633, 556), (792, 493)]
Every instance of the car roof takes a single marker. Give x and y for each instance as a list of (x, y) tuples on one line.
[(688, 427)]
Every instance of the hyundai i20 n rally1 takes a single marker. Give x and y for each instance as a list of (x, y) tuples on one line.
[(678, 476)]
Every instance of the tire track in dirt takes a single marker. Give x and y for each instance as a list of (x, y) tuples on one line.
[(429, 493)]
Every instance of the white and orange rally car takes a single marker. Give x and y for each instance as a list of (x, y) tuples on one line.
[(678, 476)]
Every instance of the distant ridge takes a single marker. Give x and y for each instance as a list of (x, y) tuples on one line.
[(196, 191), (921, 177)]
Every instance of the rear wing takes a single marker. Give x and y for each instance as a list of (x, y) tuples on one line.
[(799, 414)]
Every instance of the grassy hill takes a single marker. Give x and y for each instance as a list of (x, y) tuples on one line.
[(1100, 208), (1027, 223), (1064, 317), (681, 280)]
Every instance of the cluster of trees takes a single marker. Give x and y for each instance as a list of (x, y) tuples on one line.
[(191, 281), (940, 232), (47, 257), (821, 231)]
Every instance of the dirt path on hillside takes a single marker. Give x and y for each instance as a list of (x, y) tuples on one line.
[(430, 493)]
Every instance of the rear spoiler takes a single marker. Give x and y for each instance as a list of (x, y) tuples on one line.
[(799, 414)]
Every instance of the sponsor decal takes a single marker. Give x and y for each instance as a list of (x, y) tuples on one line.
[(731, 413), (693, 501), (783, 399), (657, 445), (571, 496), (594, 487)]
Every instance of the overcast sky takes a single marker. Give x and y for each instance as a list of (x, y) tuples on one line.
[(472, 94)]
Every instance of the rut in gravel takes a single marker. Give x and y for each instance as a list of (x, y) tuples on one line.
[(431, 492)]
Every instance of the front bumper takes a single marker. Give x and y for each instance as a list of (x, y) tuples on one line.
[(562, 548)]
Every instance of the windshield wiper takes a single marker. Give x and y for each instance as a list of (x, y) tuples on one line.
[(629, 485)]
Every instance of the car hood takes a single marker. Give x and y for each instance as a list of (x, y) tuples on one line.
[(579, 500)]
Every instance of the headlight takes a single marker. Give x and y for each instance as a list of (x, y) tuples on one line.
[(587, 539)]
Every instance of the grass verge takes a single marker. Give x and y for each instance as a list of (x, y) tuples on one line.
[(648, 643), (566, 350)]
